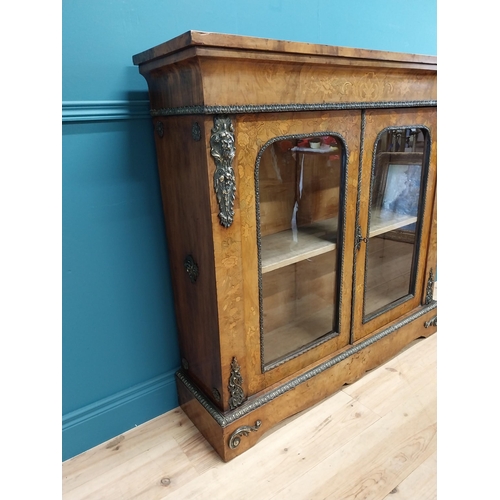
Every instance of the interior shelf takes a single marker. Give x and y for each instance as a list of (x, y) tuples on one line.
[(279, 249), (405, 157), (383, 221), (321, 150)]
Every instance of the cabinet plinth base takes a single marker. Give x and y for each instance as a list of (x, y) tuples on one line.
[(233, 432)]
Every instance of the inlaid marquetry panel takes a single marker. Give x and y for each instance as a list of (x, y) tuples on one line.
[(267, 83)]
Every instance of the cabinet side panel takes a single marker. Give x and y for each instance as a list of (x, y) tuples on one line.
[(183, 177)]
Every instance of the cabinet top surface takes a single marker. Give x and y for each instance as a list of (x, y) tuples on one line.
[(219, 41)]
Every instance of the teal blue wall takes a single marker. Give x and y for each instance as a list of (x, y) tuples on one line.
[(120, 350)]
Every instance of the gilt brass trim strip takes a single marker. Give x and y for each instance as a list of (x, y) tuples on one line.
[(275, 108), (250, 405)]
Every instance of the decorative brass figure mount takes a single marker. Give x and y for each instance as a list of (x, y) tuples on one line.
[(430, 288), (223, 151), (235, 386), (432, 322)]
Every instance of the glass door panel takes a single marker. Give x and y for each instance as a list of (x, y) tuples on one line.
[(398, 177), (300, 199)]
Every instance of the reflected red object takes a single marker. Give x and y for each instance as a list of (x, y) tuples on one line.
[(285, 145), (328, 139), (334, 157), (303, 143)]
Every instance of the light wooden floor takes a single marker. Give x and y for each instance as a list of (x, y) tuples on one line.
[(375, 439)]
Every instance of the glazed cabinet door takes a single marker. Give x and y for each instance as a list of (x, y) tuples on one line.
[(396, 192), (301, 177)]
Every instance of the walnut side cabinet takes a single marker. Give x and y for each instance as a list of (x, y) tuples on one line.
[(299, 194)]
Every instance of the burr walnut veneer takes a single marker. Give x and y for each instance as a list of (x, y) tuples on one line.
[(299, 187)]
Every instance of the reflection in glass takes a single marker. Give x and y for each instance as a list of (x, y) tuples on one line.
[(396, 198), (300, 190)]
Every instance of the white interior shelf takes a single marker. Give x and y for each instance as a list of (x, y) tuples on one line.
[(322, 149), (280, 249), (382, 221)]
